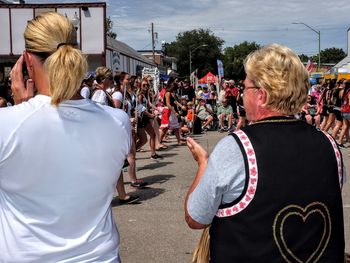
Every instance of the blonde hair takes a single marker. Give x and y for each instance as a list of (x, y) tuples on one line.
[(102, 73), (279, 71), (53, 38), (202, 252), (144, 79)]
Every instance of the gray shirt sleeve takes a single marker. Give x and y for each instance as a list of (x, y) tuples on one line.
[(222, 182)]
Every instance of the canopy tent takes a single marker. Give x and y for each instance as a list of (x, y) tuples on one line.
[(209, 78)]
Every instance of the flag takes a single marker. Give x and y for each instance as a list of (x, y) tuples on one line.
[(220, 68), (194, 78), (310, 66)]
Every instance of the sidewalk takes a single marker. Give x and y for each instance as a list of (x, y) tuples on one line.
[(154, 229)]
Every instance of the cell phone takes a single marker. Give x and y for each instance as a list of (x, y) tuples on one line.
[(25, 70)]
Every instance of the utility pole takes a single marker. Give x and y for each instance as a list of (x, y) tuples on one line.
[(154, 57), (191, 52), (318, 32)]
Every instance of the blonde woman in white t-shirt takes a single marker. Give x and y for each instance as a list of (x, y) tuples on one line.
[(57, 175)]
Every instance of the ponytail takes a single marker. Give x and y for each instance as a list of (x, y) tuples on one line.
[(66, 69), (52, 36)]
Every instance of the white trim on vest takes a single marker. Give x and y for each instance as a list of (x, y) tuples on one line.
[(252, 179), (338, 157)]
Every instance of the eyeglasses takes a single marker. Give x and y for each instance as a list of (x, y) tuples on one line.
[(145, 85), (247, 88)]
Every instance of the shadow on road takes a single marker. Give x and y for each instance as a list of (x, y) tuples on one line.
[(153, 166), (149, 193), (166, 155), (159, 178)]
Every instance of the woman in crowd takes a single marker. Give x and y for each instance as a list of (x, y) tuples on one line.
[(311, 111), (324, 104), (345, 111), (129, 107), (87, 86), (144, 125), (170, 114), (338, 97), (121, 79), (334, 108), (55, 205), (213, 96), (104, 79)]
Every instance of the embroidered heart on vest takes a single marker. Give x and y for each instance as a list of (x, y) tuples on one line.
[(315, 208)]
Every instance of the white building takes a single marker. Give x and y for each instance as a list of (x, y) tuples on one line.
[(344, 65), (90, 20)]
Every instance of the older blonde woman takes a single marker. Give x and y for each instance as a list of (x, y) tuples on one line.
[(258, 191), (58, 169)]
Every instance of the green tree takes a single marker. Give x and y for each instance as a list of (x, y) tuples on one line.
[(109, 28), (203, 58), (234, 58), (304, 58), (330, 55)]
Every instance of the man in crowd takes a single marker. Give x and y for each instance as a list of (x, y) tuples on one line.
[(187, 91), (204, 112), (231, 93), (259, 194), (225, 113)]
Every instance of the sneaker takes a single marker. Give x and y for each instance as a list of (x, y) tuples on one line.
[(130, 200), (221, 130), (138, 184), (155, 156)]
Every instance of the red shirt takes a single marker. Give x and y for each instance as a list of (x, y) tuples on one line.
[(231, 92)]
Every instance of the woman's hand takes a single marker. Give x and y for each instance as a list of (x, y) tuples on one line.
[(22, 90), (199, 154)]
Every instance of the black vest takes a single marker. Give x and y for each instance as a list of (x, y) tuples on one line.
[(291, 207)]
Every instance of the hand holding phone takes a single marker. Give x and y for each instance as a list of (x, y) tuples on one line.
[(22, 87)]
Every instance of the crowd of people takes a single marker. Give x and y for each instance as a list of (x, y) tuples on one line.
[(59, 159), (328, 108)]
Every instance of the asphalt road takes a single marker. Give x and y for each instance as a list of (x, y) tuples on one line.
[(154, 229)]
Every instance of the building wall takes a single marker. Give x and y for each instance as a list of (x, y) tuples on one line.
[(124, 62), (13, 20)]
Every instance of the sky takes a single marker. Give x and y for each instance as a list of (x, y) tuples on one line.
[(234, 21)]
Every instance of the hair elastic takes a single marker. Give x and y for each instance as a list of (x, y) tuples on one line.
[(63, 44)]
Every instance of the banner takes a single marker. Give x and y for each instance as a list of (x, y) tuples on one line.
[(220, 69), (154, 73)]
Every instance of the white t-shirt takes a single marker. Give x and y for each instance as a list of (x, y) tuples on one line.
[(100, 97), (117, 95), (85, 92), (58, 171)]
